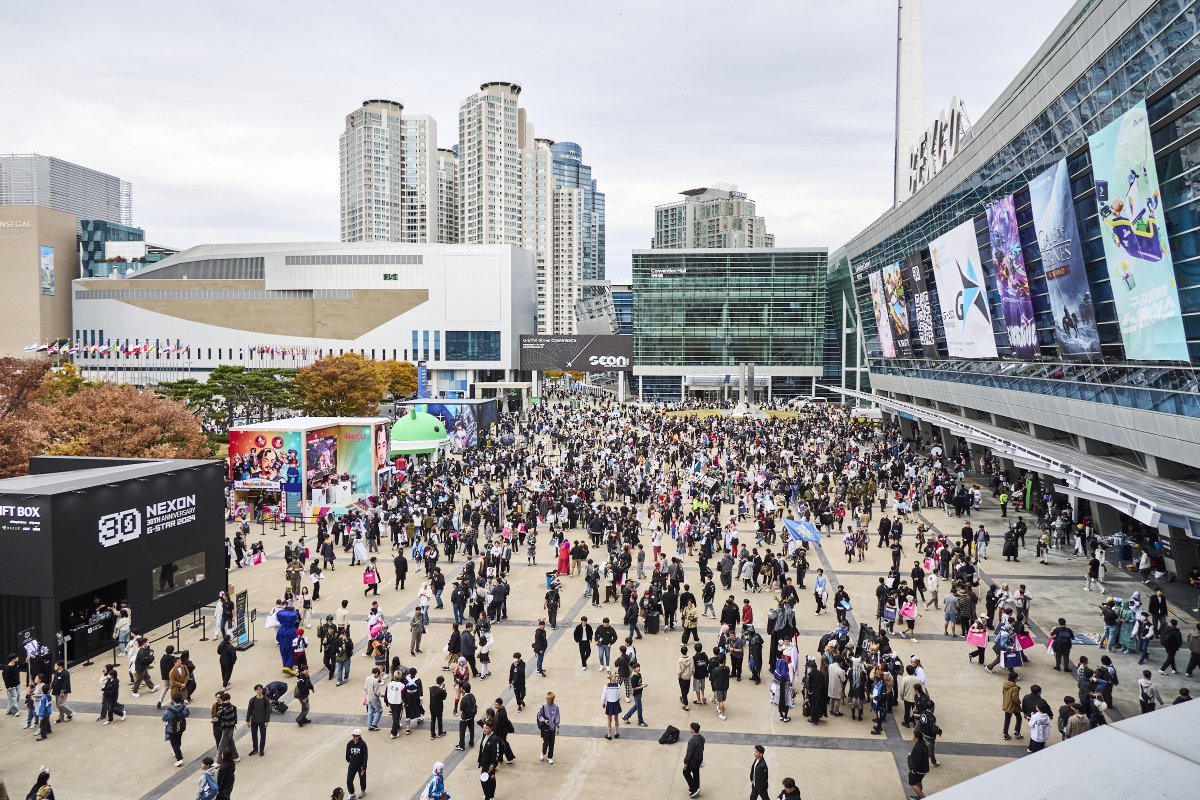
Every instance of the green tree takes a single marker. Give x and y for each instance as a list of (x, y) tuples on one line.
[(345, 385), (234, 394)]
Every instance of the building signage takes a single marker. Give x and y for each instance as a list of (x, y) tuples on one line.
[(20, 519), (127, 525), (15, 223), (937, 146), (580, 353)]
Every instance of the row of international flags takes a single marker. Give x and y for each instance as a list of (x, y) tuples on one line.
[(160, 349)]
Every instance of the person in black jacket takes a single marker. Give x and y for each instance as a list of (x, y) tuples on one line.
[(304, 688), (467, 709), (225, 775), (583, 638), (60, 688), (516, 680), (540, 645), (356, 763), (258, 714), (692, 759), (12, 685), (437, 706), (401, 564), (504, 727), (918, 764), (489, 759), (227, 653), (758, 774)]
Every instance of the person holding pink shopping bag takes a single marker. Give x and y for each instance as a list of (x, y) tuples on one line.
[(977, 637)]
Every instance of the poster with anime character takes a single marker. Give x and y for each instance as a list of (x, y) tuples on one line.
[(887, 345), (1134, 233), (1011, 279), (895, 303), (1062, 263)]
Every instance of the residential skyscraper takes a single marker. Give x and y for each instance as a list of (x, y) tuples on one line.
[(717, 216), (34, 180), (571, 173), (447, 195), (389, 167), (508, 195)]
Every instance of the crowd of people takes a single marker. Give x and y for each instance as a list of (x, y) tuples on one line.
[(659, 517)]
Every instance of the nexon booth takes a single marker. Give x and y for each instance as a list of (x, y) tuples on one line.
[(79, 537)]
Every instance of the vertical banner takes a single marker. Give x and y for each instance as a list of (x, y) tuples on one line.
[(46, 269), (962, 294), (1135, 240), (241, 630), (1062, 263), (886, 345), (926, 334), (895, 302), (422, 379), (1011, 279)]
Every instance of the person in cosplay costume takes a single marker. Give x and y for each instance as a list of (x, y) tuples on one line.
[(289, 621)]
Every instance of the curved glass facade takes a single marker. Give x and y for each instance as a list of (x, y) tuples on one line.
[(1157, 59)]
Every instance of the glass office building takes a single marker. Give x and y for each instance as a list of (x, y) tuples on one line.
[(698, 315), (571, 173), (622, 298), (1113, 422)]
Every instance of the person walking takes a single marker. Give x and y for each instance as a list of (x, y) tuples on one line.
[(226, 717), (1039, 726), (684, 672), (759, 774), (226, 775), (1193, 643), (356, 764), (1171, 639), (436, 788), (12, 685), (303, 691), (227, 655), (416, 629), (258, 715), (1010, 704), (488, 760), (693, 758), (467, 709), (918, 764), (583, 638), (394, 696), (1148, 695), (174, 724), (636, 687), (516, 680), (373, 694), (548, 721), (540, 645), (60, 690)]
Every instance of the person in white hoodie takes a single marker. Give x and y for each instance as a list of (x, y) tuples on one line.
[(1039, 727), (394, 697)]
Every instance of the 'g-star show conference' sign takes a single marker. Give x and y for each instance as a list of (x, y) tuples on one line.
[(579, 353)]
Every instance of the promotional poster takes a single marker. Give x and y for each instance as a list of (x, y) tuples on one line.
[(1135, 239), (268, 460), (895, 302), (962, 294), (1011, 278), (46, 268), (886, 344), (926, 333), (1062, 263)]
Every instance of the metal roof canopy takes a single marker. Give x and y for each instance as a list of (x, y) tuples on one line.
[(1147, 499), (1161, 746)]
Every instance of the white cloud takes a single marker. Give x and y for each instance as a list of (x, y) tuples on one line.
[(225, 116)]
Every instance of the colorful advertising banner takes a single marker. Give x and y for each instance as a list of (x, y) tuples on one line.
[(1011, 279), (1135, 240), (886, 345), (356, 457), (266, 461), (925, 334), (962, 294), (422, 379), (895, 303), (46, 268), (1062, 263)]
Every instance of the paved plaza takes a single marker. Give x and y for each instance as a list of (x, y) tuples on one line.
[(838, 758)]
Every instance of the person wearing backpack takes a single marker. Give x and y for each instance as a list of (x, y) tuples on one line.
[(175, 723), (1148, 695), (207, 783), (1061, 638), (548, 722)]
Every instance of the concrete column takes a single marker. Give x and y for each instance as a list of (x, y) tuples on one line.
[(621, 387)]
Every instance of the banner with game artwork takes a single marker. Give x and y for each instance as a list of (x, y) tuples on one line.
[(895, 304), (1062, 263), (962, 294), (1009, 262), (924, 334), (1135, 239), (887, 346)]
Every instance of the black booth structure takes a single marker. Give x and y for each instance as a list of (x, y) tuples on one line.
[(80, 536)]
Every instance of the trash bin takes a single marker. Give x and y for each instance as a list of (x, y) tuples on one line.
[(652, 621)]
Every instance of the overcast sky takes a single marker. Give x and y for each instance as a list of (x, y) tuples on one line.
[(225, 115)]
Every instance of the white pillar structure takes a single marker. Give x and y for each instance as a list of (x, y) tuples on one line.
[(910, 88)]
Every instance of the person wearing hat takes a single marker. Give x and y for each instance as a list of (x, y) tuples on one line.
[(758, 774), (356, 763)]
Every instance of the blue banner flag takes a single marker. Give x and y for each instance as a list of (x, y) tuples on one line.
[(803, 531)]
